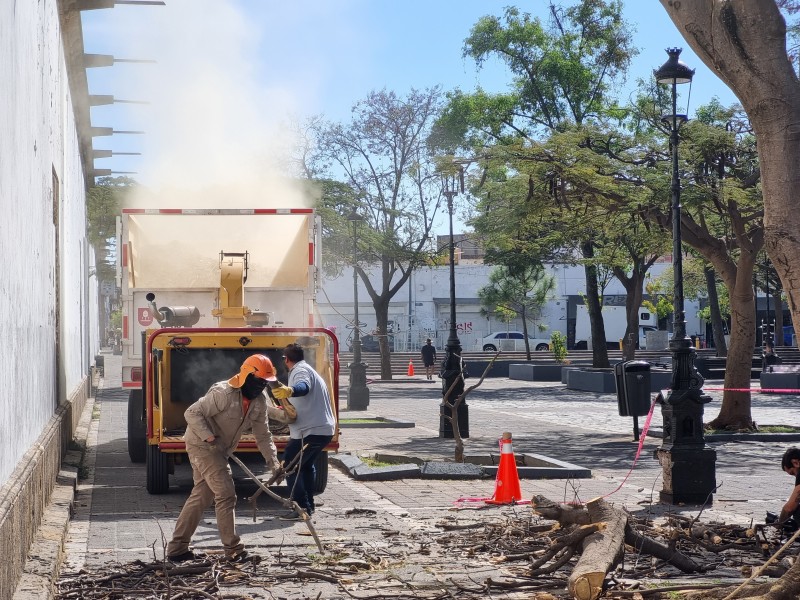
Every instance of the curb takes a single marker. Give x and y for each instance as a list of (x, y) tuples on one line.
[(46, 553), (536, 466), (47, 549), (377, 423)]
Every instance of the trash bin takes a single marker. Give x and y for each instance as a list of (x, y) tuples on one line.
[(633, 388)]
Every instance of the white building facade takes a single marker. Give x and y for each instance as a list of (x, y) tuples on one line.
[(421, 309)]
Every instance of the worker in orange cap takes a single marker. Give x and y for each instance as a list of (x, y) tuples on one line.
[(214, 425)]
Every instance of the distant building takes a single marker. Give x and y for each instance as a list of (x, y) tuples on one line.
[(421, 309)]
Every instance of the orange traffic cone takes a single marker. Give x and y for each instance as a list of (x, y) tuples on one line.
[(410, 368), (506, 486)]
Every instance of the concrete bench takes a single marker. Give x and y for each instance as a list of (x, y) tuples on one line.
[(776, 382)]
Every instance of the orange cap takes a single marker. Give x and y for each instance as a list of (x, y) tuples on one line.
[(259, 365)]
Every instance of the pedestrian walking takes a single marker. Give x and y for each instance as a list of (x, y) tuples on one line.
[(428, 352), (214, 425), (311, 431)]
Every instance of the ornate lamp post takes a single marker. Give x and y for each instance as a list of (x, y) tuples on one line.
[(357, 390), (689, 472), (452, 365)]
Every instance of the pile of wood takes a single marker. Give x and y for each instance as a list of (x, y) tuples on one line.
[(554, 551)]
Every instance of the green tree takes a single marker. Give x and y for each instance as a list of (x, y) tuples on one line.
[(721, 219), (746, 44), (103, 205), (521, 290), (563, 71)]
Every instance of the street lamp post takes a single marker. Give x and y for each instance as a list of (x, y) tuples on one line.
[(689, 471), (452, 365), (357, 390)]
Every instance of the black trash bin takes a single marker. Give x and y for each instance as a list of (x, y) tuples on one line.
[(633, 388)]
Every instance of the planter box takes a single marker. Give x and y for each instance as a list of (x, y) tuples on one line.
[(565, 372), (533, 372), (780, 381), (601, 381), (660, 380)]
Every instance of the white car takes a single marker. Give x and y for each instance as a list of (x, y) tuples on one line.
[(512, 341)]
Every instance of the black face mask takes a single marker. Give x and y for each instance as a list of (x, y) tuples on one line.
[(253, 386)]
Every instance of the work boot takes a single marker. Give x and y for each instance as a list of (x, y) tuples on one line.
[(182, 557), (790, 526), (292, 516), (237, 557)]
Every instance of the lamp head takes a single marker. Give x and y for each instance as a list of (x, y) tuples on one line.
[(674, 70)]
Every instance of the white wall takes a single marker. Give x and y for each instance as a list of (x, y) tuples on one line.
[(39, 139)]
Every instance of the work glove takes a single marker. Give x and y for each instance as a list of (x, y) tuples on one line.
[(282, 392)]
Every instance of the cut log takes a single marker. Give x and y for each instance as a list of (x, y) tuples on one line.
[(649, 546), (563, 513), (602, 551)]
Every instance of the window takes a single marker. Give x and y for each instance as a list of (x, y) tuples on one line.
[(515, 336)]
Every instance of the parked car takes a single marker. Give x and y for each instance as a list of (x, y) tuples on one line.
[(512, 341)]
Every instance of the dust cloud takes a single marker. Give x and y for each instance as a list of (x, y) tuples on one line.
[(214, 135)]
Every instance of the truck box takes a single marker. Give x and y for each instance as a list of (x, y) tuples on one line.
[(616, 322)]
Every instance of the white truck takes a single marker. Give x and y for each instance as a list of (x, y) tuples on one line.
[(616, 322), (189, 320)]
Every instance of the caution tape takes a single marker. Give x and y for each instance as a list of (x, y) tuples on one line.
[(754, 390), (642, 437)]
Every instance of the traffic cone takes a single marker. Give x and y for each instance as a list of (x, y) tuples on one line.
[(506, 486), (410, 368)]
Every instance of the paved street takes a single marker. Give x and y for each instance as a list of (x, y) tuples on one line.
[(118, 521)]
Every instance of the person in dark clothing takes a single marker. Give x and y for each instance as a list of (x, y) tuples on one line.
[(769, 358), (789, 518), (428, 352)]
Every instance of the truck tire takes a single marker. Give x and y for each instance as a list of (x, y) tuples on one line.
[(157, 471), (321, 475), (137, 427)]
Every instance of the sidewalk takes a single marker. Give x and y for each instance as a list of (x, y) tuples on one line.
[(116, 520)]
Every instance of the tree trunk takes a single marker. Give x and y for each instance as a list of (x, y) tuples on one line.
[(744, 42), (594, 308), (382, 321), (717, 327), (777, 302), (735, 413), (634, 289)]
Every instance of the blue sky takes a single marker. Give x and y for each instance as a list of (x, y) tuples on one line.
[(229, 73)]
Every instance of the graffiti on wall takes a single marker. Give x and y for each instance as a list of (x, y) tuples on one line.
[(462, 328)]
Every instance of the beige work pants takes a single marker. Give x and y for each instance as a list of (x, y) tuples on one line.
[(213, 483)]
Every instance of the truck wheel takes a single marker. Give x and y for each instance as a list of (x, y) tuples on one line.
[(137, 427), (321, 478), (157, 471)]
